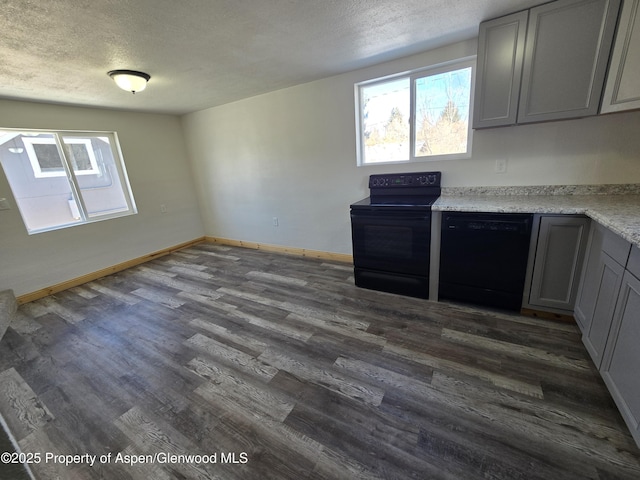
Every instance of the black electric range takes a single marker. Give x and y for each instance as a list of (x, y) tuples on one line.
[(391, 233)]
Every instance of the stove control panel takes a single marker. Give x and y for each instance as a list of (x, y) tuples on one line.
[(404, 180)]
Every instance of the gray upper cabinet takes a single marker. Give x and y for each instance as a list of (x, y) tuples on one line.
[(566, 57), (500, 56), (622, 90), (553, 69)]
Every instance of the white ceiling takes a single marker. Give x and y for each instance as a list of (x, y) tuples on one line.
[(203, 53)]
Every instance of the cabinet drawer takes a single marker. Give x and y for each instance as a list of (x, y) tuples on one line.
[(633, 265)]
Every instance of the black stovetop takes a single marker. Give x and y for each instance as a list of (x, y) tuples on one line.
[(407, 190), (393, 201)]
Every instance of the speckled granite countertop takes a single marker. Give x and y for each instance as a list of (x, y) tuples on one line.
[(614, 206)]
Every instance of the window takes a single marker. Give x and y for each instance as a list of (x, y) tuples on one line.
[(47, 162), (419, 116), (61, 179)]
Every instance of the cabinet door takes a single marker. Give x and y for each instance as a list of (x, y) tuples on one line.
[(500, 55), (566, 56), (622, 91), (622, 358), (590, 281), (601, 241), (558, 261), (609, 277)]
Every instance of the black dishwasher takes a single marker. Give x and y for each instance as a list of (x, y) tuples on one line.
[(483, 258)]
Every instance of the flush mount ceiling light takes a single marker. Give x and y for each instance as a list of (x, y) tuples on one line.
[(130, 80)]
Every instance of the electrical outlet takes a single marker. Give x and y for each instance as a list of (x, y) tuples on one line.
[(163, 208), (501, 165), (275, 221), (4, 204)]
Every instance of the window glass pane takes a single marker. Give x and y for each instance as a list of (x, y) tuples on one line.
[(79, 157), (42, 191), (96, 174), (48, 158), (43, 154), (442, 113), (385, 111), (81, 154)]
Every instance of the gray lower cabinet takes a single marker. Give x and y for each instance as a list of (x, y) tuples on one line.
[(608, 284), (608, 312), (599, 288), (604, 250), (555, 264), (622, 90), (622, 356), (591, 279)]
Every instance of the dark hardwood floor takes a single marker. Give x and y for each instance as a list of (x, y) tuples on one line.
[(278, 367)]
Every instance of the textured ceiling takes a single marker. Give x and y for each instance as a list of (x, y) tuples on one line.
[(203, 53)]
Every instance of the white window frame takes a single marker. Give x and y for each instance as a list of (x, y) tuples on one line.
[(414, 75), (29, 142)]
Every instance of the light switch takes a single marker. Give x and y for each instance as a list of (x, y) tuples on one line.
[(4, 204)]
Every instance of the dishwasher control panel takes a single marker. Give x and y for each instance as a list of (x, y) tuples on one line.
[(488, 222)]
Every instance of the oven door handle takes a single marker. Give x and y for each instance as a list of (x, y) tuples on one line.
[(391, 220)]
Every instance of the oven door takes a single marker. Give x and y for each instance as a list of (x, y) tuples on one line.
[(390, 240)]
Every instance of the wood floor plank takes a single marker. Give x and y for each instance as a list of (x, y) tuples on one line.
[(122, 297), (330, 326), (465, 430), (242, 361), (285, 441), (283, 366), (25, 412), (501, 381), (225, 385), (385, 443), (218, 253), (332, 380), (162, 299), (540, 423), (151, 439), (520, 351), (228, 336), (47, 440), (184, 286), (278, 279), (288, 329), (382, 377)]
